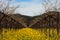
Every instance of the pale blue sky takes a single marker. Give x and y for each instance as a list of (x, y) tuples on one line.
[(23, 0), (29, 7), (37, 1)]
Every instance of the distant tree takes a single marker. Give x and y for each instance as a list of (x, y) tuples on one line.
[(51, 5), (6, 8)]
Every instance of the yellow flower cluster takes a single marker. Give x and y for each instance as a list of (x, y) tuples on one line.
[(28, 34)]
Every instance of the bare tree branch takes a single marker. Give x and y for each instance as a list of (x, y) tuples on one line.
[(5, 7), (49, 5), (12, 10)]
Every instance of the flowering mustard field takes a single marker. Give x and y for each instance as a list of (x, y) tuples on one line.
[(29, 34)]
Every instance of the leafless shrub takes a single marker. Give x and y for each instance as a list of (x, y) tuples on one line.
[(51, 5), (6, 8)]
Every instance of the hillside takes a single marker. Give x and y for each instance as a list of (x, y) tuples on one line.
[(48, 20)]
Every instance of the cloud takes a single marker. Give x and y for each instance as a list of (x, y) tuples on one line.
[(30, 8)]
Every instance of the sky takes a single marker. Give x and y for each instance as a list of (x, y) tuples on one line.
[(29, 7)]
